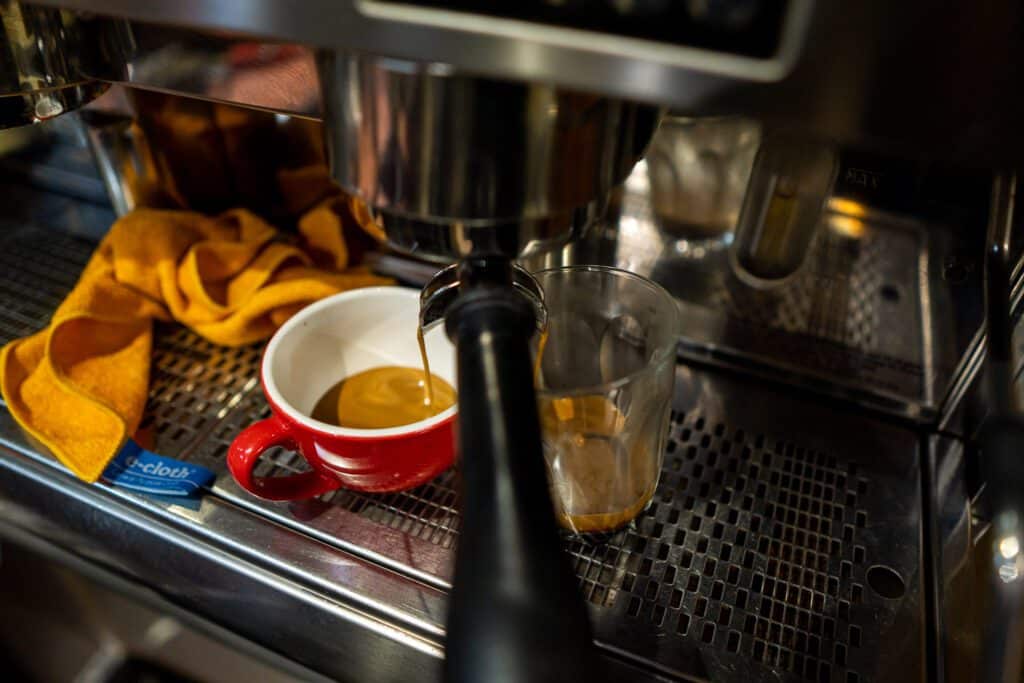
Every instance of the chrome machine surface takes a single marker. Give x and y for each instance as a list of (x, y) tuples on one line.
[(784, 541), (40, 67), (425, 141), (819, 515), (891, 77)]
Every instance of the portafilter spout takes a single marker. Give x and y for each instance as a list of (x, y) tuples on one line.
[(516, 613), (441, 292)]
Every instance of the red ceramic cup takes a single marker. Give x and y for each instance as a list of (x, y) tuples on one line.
[(324, 342)]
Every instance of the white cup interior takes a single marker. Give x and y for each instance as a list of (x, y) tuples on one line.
[(345, 334)]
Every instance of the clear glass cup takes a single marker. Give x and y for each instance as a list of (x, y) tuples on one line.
[(604, 389)]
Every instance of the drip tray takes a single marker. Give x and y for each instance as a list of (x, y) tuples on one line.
[(783, 541)]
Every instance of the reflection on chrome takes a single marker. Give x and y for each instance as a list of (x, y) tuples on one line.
[(1008, 573), (1009, 547), (1007, 556)]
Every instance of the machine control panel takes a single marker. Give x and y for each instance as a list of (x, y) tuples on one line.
[(749, 28)]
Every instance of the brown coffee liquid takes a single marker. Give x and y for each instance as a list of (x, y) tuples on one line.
[(426, 365), (604, 476), (541, 343), (389, 396), (605, 521)]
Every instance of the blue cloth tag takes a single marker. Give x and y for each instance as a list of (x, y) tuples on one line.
[(137, 469)]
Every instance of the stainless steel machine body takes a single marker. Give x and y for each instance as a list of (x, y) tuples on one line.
[(40, 69), (424, 141), (814, 519)]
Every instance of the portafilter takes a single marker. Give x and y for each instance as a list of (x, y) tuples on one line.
[(484, 171)]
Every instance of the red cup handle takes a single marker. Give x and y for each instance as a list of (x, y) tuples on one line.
[(246, 450)]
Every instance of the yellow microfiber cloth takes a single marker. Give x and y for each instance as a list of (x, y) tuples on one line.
[(80, 385)]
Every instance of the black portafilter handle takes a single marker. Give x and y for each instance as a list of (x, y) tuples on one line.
[(516, 613)]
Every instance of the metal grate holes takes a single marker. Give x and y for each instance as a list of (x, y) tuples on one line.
[(756, 546), (752, 545), (39, 268), (193, 385)]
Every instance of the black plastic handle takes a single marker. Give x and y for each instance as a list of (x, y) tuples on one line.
[(516, 612)]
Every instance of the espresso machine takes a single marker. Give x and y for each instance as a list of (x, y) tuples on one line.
[(827, 189)]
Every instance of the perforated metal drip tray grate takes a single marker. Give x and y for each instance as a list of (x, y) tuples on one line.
[(783, 542), (859, 315)]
